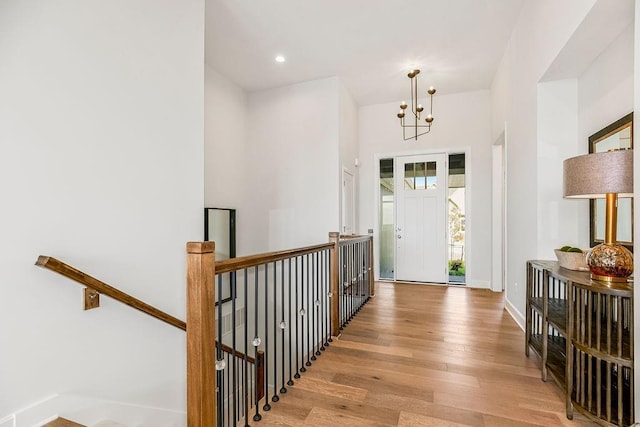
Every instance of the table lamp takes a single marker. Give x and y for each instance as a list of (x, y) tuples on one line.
[(606, 175)]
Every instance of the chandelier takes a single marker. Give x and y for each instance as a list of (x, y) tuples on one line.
[(418, 128)]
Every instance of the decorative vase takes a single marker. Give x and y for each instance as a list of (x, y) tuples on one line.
[(610, 262)]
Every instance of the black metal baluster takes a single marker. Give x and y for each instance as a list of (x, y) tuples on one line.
[(317, 302), (283, 323), (323, 300), (220, 362), (290, 327), (341, 286), (360, 275), (330, 299), (347, 260), (246, 350), (302, 310), (234, 371), (354, 281), (309, 309), (275, 397), (327, 268), (367, 290), (256, 343), (267, 406), (252, 377), (349, 282), (313, 306), (227, 380), (297, 374)]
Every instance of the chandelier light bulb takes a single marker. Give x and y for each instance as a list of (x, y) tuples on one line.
[(403, 105), (429, 118)]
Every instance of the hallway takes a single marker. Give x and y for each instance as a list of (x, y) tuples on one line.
[(420, 355)]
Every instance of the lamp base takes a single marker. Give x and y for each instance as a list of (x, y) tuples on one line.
[(610, 262)]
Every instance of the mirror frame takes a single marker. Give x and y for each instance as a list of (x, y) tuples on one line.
[(613, 128), (232, 228), (228, 283)]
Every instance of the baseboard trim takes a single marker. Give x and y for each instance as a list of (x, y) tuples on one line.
[(90, 410), (514, 313), (480, 284)]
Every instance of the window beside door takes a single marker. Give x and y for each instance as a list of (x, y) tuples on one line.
[(386, 219), (457, 218)]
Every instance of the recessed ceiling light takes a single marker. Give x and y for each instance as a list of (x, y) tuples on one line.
[(280, 58)]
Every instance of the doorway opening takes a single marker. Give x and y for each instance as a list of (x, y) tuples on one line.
[(457, 218)]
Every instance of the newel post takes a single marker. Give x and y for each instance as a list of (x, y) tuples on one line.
[(201, 324), (334, 237), (372, 285)]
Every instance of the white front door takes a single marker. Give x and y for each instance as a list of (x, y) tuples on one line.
[(421, 226), (348, 202)]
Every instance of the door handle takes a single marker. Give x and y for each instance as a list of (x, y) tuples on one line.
[(399, 236)]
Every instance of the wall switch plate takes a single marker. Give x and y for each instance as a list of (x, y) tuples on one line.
[(91, 299)]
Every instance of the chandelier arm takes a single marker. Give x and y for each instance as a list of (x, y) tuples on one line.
[(420, 126), (414, 136), (414, 98), (431, 106)]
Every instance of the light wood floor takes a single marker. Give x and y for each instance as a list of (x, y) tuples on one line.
[(419, 355)]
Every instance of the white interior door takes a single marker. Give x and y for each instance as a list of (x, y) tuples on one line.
[(348, 202), (421, 227)]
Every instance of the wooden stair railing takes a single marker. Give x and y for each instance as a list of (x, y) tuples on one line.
[(201, 343), (97, 287), (100, 287)]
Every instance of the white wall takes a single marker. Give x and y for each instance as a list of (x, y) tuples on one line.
[(557, 116), (550, 120), (542, 30), (605, 94), (462, 123), (101, 166), (225, 138), (292, 166), (225, 164), (348, 144), (606, 88)]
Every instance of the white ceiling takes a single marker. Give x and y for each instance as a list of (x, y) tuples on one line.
[(369, 44)]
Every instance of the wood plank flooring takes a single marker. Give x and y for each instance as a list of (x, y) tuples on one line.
[(419, 355)]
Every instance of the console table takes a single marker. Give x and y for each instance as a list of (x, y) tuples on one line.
[(583, 331)]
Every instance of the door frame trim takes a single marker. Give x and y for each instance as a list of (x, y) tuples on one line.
[(466, 149)]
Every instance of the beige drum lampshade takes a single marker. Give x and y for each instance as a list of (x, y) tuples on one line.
[(592, 176)]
